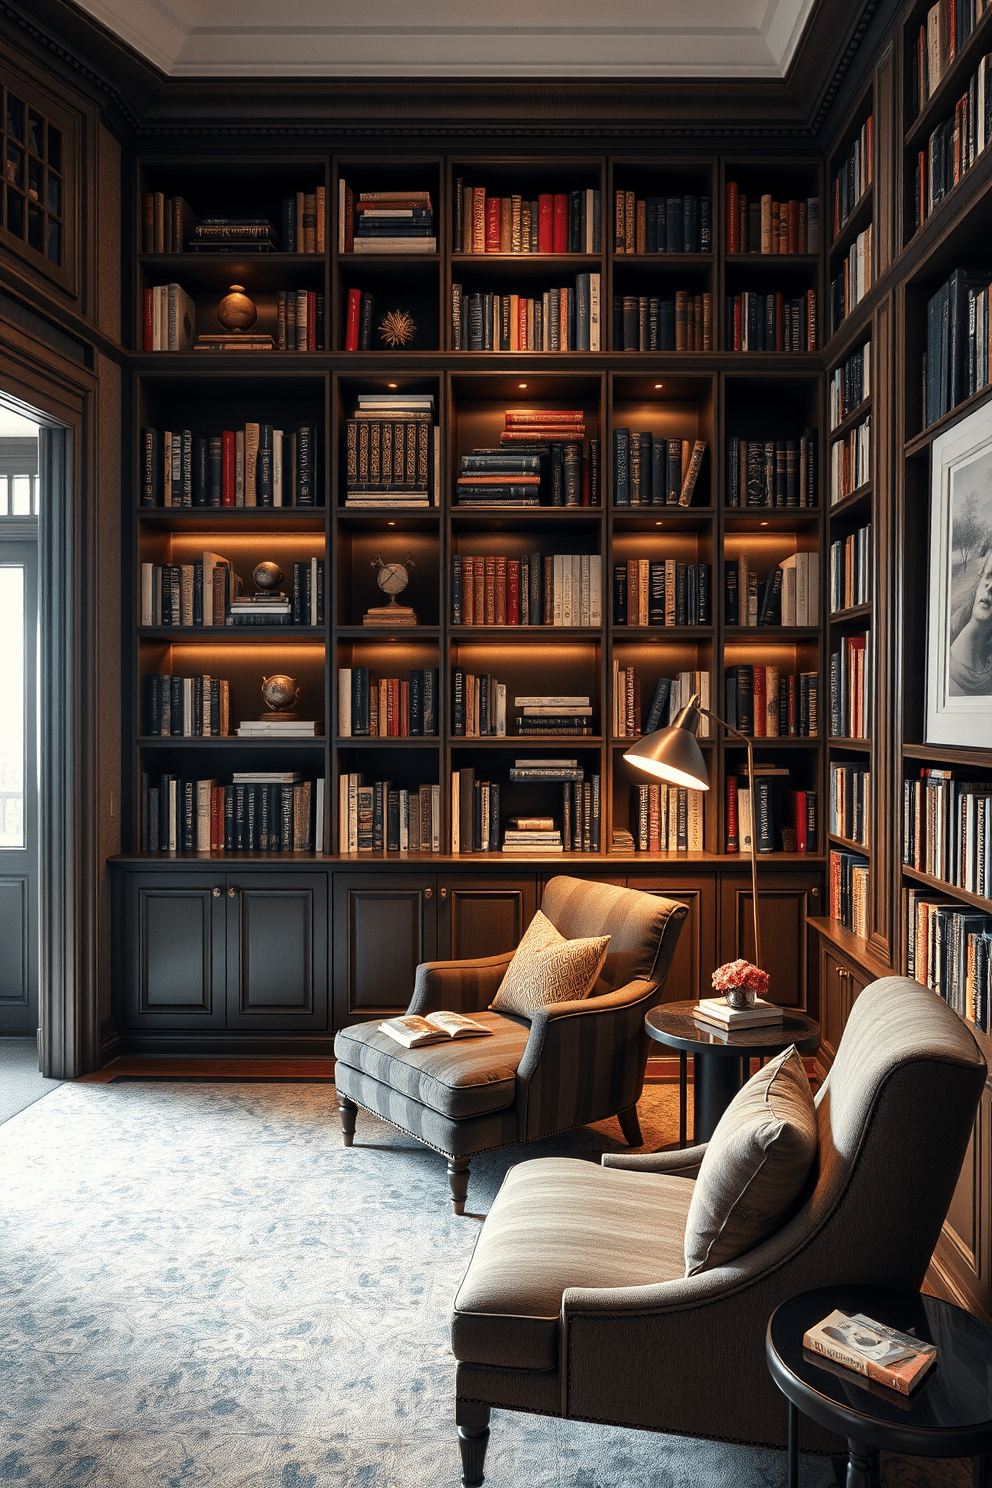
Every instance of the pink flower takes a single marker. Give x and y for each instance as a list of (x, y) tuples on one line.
[(740, 974)]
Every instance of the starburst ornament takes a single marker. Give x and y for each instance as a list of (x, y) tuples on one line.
[(398, 328)]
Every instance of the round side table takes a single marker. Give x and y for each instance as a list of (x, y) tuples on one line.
[(949, 1414), (720, 1058)]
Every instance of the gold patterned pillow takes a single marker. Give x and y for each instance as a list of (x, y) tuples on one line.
[(548, 968)]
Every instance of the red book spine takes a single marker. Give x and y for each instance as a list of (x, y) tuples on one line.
[(216, 818), (349, 220), (351, 332), (405, 710), (738, 337), (545, 223), (479, 602), (732, 839), (311, 320), (489, 616), (227, 468), (560, 239), (802, 842), (393, 707), (733, 224), (513, 591), (492, 224), (526, 416), (148, 338), (760, 702), (501, 588)]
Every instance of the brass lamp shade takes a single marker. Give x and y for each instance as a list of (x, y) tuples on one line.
[(672, 753)]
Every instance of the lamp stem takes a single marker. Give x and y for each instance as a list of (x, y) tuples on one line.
[(754, 835)]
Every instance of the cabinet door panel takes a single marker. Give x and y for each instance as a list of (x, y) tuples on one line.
[(174, 962), (785, 901), (385, 924), (277, 951), (835, 1004), (693, 963), (480, 917)]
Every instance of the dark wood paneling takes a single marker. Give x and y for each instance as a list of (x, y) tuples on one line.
[(840, 984), (481, 917), (963, 1252), (695, 954), (277, 951), (784, 905), (384, 926), (885, 779), (175, 962)]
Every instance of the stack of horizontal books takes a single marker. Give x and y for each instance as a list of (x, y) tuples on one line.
[(391, 459), (551, 713), (394, 222), (233, 235), (532, 834), (717, 1013)]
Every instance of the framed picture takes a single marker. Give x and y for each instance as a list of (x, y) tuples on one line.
[(959, 618)]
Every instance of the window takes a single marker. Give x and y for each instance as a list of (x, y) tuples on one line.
[(36, 189)]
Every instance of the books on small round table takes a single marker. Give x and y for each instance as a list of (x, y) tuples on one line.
[(717, 1012)]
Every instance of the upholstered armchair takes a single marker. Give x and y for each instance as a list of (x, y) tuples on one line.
[(576, 1302), (562, 1066)]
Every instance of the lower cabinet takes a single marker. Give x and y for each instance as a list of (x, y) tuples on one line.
[(964, 1251), (208, 951), (785, 903), (694, 961), (840, 983)]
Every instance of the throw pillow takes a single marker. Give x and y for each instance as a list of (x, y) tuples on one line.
[(755, 1165), (548, 968)]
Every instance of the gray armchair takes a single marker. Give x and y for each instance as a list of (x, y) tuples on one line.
[(575, 1303), (564, 1066)]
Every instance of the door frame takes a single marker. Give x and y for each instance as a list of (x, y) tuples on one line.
[(22, 533)]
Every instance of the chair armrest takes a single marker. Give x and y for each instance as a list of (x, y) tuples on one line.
[(683, 1164), (551, 1027), (458, 986)]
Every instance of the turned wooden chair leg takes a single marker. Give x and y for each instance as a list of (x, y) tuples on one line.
[(472, 1418), (458, 1180), (349, 1115), (630, 1126)]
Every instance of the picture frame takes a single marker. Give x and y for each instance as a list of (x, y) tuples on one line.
[(959, 591)]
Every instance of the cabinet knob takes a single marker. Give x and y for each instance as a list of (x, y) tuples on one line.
[(444, 893), (814, 893), (428, 893), (232, 892), (217, 893)]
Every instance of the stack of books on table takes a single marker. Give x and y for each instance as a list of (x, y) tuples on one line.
[(532, 834), (550, 713), (391, 455), (275, 727), (858, 1343), (717, 1012)]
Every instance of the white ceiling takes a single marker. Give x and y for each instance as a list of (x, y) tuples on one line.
[(460, 38)]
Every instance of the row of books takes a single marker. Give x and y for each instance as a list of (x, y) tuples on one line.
[(850, 570), (254, 466), (299, 325), (207, 593), (652, 470), (662, 224), (777, 818), (949, 950), (552, 222), (850, 679), (848, 890), (669, 696), (187, 707), (850, 799), (955, 145), (478, 705), (566, 318), (385, 221), (850, 384), (475, 812), (564, 589), (850, 461), (390, 451), (941, 35), (947, 829), (853, 176), (759, 224), (771, 322), (788, 595), (772, 472), (679, 322), (849, 287), (956, 361), (666, 818), (661, 591), (387, 707), (387, 817), (768, 703), (260, 811)]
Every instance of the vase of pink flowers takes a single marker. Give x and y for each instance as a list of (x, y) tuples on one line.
[(740, 983)]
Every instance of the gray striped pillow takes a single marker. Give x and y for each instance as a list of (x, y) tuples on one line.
[(755, 1165)]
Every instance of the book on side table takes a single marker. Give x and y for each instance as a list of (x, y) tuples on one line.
[(859, 1343), (717, 1011), (413, 1032)]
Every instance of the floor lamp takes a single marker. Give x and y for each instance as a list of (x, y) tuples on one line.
[(672, 754)]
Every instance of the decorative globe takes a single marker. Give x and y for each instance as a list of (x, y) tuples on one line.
[(392, 578), (236, 312), (268, 575), (279, 691)]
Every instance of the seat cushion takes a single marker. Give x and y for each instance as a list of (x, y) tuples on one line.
[(459, 1078), (547, 968), (755, 1165), (558, 1223)]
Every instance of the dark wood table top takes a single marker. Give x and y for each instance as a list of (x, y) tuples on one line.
[(672, 1023), (950, 1411)]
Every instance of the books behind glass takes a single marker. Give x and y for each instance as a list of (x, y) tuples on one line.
[(413, 1032), (884, 1354)]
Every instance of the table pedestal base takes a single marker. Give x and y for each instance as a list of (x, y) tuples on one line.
[(715, 1082)]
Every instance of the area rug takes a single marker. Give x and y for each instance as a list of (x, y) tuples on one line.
[(202, 1286)]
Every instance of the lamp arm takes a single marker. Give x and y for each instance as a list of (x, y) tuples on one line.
[(745, 739)]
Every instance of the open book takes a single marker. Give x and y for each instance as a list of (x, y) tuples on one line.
[(413, 1032)]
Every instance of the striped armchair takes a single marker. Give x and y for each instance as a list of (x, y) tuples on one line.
[(561, 1067)]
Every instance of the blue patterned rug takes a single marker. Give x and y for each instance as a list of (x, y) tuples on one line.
[(202, 1286)]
